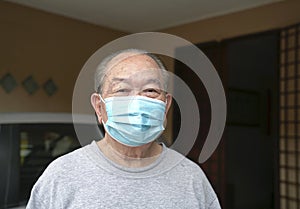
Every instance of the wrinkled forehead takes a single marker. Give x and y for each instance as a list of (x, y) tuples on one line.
[(133, 67), (131, 58)]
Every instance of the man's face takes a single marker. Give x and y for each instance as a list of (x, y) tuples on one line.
[(132, 75)]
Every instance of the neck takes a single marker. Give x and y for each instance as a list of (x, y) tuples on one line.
[(129, 156)]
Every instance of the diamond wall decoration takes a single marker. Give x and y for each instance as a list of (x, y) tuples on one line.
[(30, 85), (50, 87), (8, 82)]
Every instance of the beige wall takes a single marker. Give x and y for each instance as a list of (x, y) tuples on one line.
[(249, 21), (49, 46), (45, 46)]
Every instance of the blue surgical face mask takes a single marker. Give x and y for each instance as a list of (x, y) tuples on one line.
[(134, 120)]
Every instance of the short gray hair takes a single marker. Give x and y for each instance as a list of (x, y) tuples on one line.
[(102, 68)]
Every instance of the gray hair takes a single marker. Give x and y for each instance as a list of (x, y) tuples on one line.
[(102, 68)]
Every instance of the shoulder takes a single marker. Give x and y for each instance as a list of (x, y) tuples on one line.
[(182, 162), (182, 167), (55, 177), (63, 168), (190, 173), (67, 162), (189, 168)]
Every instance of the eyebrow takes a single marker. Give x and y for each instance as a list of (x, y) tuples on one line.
[(120, 80), (126, 80), (151, 80)]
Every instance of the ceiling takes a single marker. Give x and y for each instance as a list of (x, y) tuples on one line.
[(141, 15)]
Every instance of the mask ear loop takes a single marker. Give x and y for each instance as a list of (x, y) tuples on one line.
[(100, 123), (101, 98), (104, 103)]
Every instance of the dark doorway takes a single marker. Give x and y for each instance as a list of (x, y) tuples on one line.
[(243, 169), (252, 136)]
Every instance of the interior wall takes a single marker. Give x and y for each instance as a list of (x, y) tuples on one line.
[(271, 16), (44, 46), (264, 18), (255, 20), (48, 46)]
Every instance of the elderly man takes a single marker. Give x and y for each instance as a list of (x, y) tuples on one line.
[(128, 168)]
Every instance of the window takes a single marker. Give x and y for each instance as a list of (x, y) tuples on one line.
[(289, 144)]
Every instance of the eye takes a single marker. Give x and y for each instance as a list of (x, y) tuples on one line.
[(122, 92), (151, 92)]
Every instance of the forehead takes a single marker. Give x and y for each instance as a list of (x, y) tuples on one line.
[(129, 65)]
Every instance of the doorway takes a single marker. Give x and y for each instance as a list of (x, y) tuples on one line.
[(243, 169)]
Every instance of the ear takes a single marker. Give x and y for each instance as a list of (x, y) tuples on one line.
[(168, 102), (168, 105), (96, 103)]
